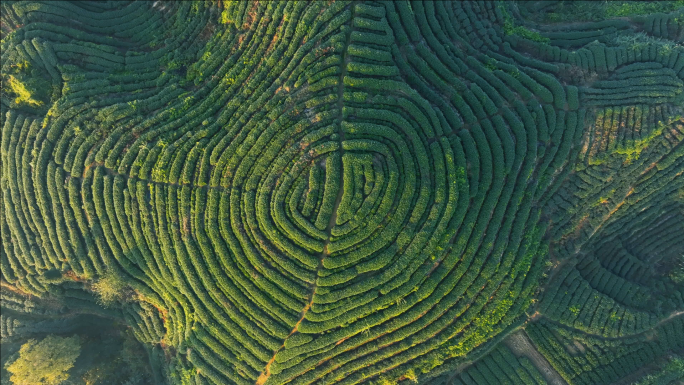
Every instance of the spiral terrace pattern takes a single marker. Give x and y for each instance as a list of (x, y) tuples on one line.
[(307, 192)]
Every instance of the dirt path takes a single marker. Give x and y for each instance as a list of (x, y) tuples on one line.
[(521, 346), (263, 377), (267, 369)]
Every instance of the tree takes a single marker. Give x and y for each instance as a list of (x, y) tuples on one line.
[(111, 289), (677, 273), (45, 362)]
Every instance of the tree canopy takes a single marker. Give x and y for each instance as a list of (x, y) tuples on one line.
[(45, 362)]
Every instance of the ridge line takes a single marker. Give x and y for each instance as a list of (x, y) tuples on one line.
[(263, 377)]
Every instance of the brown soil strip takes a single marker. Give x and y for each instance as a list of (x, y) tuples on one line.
[(521, 346), (333, 217)]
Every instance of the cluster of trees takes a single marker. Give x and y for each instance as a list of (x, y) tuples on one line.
[(46, 361)]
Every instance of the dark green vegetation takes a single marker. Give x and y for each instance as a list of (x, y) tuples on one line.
[(46, 361), (86, 350), (350, 192)]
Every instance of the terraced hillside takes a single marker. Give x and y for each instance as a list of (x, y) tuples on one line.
[(339, 192)]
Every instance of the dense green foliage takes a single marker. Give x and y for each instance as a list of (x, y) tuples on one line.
[(110, 289), (586, 359), (500, 366), (46, 361), (669, 372), (346, 191)]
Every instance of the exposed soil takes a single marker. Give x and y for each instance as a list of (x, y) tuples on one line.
[(521, 346)]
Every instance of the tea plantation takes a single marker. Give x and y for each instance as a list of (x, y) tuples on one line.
[(350, 192)]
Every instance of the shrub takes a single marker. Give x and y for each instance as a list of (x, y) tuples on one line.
[(677, 274), (639, 41), (111, 289), (23, 94), (510, 28), (630, 8)]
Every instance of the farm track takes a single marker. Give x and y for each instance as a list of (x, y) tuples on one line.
[(604, 338), (521, 345)]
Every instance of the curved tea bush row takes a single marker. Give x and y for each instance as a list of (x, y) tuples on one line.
[(630, 85), (500, 366), (613, 290), (626, 162), (581, 359), (594, 307), (13, 328), (663, 25), (580, 34)]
